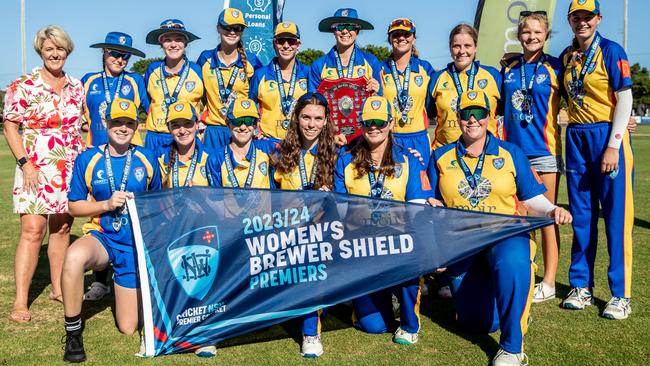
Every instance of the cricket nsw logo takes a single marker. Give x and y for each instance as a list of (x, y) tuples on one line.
[(194, 259)]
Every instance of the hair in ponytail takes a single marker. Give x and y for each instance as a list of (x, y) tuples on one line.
[(242, 54)]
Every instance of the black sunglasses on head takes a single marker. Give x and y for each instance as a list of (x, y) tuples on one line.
[(527, 13), (117, 54)]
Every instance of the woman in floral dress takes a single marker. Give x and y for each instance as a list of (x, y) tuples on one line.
[(47, 104)]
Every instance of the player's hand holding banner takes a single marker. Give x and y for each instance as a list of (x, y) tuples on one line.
[(209, 272)]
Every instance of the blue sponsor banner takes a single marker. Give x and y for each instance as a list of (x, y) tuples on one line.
[(216, 263), (261, 17)]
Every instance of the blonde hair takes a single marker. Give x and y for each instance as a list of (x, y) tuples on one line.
[(463, 28), (56, 34), (542, 19)]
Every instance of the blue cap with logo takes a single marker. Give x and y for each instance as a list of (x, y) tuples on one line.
[(343, 16), (170, 26), (120, 42)]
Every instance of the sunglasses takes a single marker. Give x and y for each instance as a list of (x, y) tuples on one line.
[(401, 23), (347, 27), (237, 28), (477, 112), (117, 54), (527, 13), (281, 41), (172, 26), (374, 122), (248, 121), (399, 34)]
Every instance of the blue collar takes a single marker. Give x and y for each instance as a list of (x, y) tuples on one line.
[(198, 146), (216, 62), (451, 65), (164, 69), (358, 59), (248, 156), (491, 149)]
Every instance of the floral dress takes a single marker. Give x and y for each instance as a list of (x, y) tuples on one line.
[(51, 137)]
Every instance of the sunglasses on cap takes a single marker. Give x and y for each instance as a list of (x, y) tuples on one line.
[(477, 112), (237, 28), (374, 122), (172, 25), (527, 13), (348, 27), (401, 23), (117, 54), (281, 41), (248, 121)]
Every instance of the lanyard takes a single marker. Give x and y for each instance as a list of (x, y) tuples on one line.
[(472, 178), (286, 99), (225, 90), (339, 66), (109, 170), (578, 83), (402, 89), (169, 100), (376, 183), (231, 170), (303, 172), (190, 171), (107, 93), (470, 80), (522, 74)]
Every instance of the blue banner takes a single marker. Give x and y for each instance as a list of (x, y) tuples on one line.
[(261, 17), (216, 263)]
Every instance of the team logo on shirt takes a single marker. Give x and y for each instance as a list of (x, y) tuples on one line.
[(139, 173), (126, 89), (510, 78), (398, 170), (93, 89), (190, 85), (482, 83), (498, 163), (262, 168), (100, 174), (303, 84), (361, 72), (194, 260), (242, 76), (541, 78), (418, 80)]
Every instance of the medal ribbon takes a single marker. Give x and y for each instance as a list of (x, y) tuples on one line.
[(339, 66), (107, 92), (231, 170), (125, 173), (286, 98), (169, 100), (190, 171), (528, 91), (303, 172), (472, 178), (402, 89), (376, 183), (578, 83), (470, 79)]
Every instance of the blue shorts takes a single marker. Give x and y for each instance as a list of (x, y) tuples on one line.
[(216, 136), (157, 140), (415, 140), (125, 271)]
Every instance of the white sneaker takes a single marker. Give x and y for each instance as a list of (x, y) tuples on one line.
[(206, 351), (617, 308), (543, 292), (504, 358), (444, 292), (403, 337), (578, 298), (141, 352), (311, 347), (97, 291)]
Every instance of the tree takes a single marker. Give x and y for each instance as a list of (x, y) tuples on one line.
[(382, 53), (141, 65), (640, 88), (309, 55)]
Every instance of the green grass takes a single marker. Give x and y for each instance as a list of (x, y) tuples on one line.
[(556, 337)]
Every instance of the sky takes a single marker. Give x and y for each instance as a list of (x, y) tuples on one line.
[(88, 21)]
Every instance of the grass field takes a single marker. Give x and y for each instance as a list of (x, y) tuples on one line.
[(556, 336)]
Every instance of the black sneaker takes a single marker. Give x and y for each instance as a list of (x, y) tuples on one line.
[(74, 348)]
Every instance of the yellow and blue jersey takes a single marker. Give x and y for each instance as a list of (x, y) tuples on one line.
[(507, 177), (608, 72), (191, 92), (292, 180), (132, 88), (200, 177), (540, 136), (444, 99), (217, 170), (264, 90), (324, 68), (421, 73), (210, 64), (408, 183), (90, 181)]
